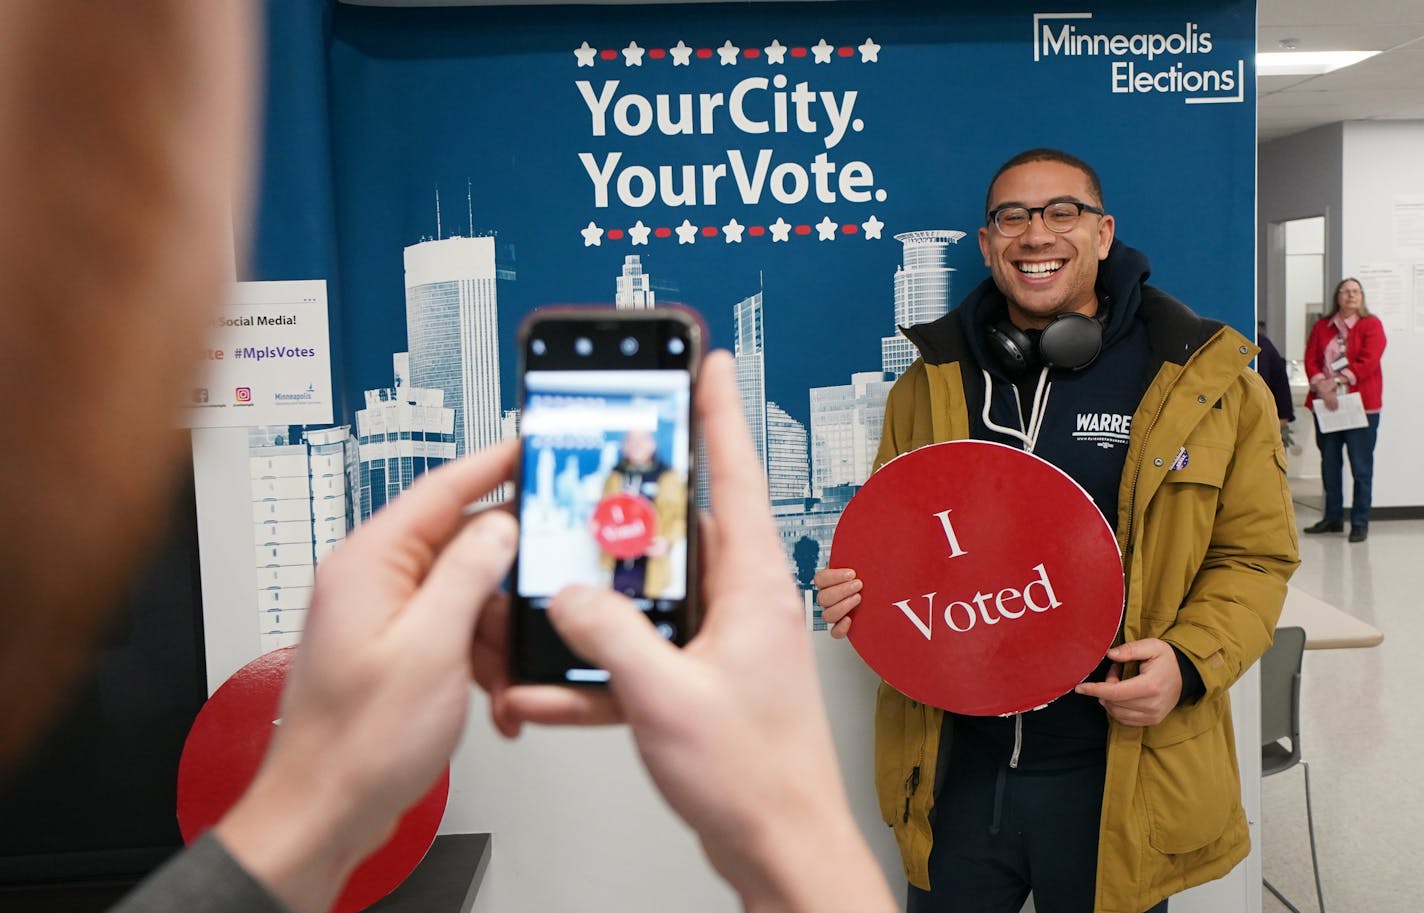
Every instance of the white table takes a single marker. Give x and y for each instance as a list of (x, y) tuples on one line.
[(1326, 627)]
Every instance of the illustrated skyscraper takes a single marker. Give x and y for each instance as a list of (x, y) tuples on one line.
[(845, 429), (300, 512), (453, 333), (787, 473), (402, 432), (749, 353), (635, 287), (923, 286)]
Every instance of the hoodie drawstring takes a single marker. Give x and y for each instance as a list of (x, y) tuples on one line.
[(1036, 415)]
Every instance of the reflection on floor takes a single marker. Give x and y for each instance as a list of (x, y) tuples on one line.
[(1362, 732)]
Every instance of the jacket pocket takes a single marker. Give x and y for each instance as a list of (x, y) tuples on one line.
[(1180, 520), (1188, 778)]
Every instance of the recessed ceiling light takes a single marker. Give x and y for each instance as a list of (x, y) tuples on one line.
[(1307, 63)]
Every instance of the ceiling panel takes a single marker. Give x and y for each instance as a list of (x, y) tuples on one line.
[(1388, 86)]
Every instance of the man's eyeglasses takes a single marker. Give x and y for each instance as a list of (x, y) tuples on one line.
[(1059, 217)]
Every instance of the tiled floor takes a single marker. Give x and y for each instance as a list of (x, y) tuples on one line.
[(1362, 732)]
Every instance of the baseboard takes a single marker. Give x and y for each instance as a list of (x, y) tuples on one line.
[(1316, 503)]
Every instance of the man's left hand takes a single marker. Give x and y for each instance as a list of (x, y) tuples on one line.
[(1147, 697)]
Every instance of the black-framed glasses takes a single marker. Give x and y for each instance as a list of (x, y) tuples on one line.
[(1058, 217)]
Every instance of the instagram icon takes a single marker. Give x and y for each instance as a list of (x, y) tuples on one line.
[(244, 394)]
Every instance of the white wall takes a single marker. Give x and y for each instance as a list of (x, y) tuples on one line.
[(577, 824), (1383, 160)]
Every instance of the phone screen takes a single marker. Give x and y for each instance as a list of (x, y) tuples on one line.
[(605, 476)]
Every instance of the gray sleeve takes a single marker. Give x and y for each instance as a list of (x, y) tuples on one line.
[(201, 879)]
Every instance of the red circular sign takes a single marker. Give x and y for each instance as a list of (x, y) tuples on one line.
[(624, 524), (225, 747), (992, 584)]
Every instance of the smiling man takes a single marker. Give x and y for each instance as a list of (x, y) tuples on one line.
[(1125, 791)]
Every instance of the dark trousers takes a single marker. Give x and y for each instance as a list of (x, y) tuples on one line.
[(1001, 833), (1359, 443), (630, 577)]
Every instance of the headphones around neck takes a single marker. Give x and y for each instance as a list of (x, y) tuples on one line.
[(1070, 342)]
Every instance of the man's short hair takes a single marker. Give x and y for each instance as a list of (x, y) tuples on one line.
[(1046, 155)]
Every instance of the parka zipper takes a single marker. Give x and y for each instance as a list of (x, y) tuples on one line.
[(912, 783), (1128, 548), (1018, 741)]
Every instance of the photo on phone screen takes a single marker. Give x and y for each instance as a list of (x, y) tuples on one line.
[(605, 470)]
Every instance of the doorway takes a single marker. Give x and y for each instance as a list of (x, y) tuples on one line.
[(1295, 298)]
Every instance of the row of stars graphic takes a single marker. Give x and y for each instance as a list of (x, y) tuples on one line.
[(687, 233), (729, 53)]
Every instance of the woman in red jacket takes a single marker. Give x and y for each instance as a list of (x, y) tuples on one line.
[(1343, 356)]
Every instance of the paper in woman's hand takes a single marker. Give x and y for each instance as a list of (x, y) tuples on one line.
[(1349, 413)]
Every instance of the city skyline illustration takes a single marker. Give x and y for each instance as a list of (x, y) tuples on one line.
[(311, 485)]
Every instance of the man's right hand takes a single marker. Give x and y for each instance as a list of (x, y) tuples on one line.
[(838, 591)]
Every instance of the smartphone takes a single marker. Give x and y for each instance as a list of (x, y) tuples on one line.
[(606, 474)]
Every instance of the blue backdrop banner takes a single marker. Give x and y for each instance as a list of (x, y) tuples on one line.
[(805, 175)]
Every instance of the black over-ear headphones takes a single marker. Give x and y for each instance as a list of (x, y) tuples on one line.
[(1070, 341)]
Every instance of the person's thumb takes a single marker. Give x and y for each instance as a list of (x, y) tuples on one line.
[(609, 632)]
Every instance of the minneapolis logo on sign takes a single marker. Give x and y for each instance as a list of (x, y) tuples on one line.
[(1144, 63)]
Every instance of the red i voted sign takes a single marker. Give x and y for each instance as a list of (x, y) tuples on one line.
[(225, 747), (624, 524), (992, 584)]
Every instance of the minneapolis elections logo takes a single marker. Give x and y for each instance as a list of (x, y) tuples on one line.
[(1145, 63)]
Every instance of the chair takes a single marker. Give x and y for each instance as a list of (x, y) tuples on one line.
[(1280, 720)]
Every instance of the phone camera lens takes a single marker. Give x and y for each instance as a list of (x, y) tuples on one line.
[(629, 346), (583, 345), (676, 346), (537, 346)]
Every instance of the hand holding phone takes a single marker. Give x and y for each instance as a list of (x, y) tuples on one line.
[(606, 467), (732, 729)]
